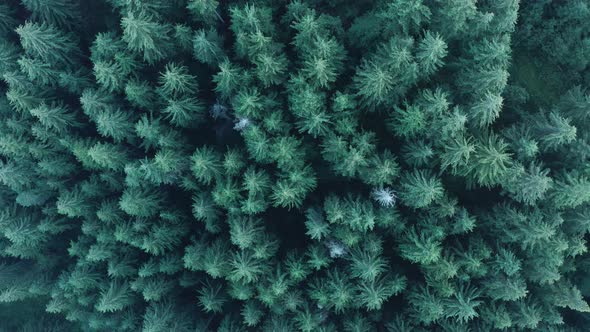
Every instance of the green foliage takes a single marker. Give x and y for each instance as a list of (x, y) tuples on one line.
[(7, 19), (211, 297), (38, 71), (245, 267), (354, 212), (115, 298), (290, 190), (316, 166), (146, 37), (48, 43), (56, 12), (206, 164), (408, 122), (486, 110), (109, 156), (408, 14), (204, 10), (419, 189), (141, 202), (463, 306), (491, 161), (421, 247), (382, 169), (56, 117), (207, 47), (252, 313), (176, 81), (115, 124), (430, 53), (366, 265), (426, 307), (528, 185), (553, 130), (571, 190), (349, 157), (385, 76), (317, 228)]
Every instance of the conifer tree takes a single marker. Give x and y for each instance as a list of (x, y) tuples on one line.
[(430, 53), (146, 37), (56, 12), (204, 165), (48, 43)]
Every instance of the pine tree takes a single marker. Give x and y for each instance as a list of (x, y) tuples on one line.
[(270, 67), (417, 153), (528, 185), (485, 111), (252, 313), (244, 232), (109, 156), (56, 117), (294, 166), (47, 43), (146, 37), (408, 122), (141, 202), (426, 307), (372, 293), (204, 10), (323, 63), (9, 56), (294, 185), (410, 15), (140, 94), (186, 112), (206, 164), (39, 71), (7, 19), (419, 189), (246, 268), (462, 306), (207, 47), (176, 81), (553, 130), (73, 204), (374, 82), (491, 161), (55, 12), (570, 190), (110, 75), (491, 52), (308, 105), (382, 169), (527, 314), (212, 297), (567, 295), (366, 265), (160, 316), (115, 298), (452, 17), (483, 80), (430, 53), (420, 248)]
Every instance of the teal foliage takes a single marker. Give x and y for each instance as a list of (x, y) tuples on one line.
[(315, 166)]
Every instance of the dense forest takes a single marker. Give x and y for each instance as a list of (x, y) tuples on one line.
[(294, 165)]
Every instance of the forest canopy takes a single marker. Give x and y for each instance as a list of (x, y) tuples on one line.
[(294, 165)]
